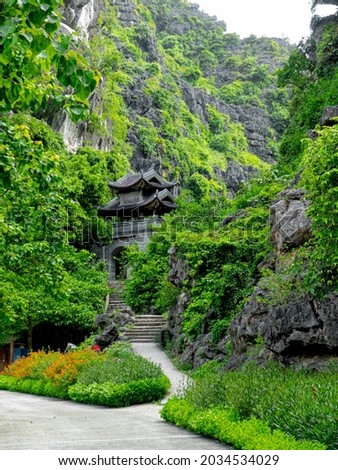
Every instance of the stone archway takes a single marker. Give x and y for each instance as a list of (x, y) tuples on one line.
[(118, 270)]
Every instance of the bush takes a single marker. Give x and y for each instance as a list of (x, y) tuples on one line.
[(302, 404), (32, 366), (224, 425), (118, 366), (65, 370), (123, 394), (117, 377), (320, 179)]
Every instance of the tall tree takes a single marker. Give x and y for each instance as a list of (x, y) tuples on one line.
[(42, 276)]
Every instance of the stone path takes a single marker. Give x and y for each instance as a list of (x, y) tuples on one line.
[(152, 352), (33, 422)]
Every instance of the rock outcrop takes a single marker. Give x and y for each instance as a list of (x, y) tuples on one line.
[(329, 116), (303, 327), (126, 12), (299, 328), (255, 120), (289, 224), (109, 336), (179, 268), (81, 15)]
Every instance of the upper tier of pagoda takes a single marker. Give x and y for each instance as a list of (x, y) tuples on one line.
[(140, 195)]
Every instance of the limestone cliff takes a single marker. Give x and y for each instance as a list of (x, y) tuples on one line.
[(164, 66)]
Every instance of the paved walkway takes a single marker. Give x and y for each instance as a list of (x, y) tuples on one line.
[(152, 352), (33, 422)]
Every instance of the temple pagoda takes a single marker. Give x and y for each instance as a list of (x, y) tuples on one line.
[(140, 195), (140, 201)]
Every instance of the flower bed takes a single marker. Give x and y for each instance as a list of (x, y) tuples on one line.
[(116, 378)]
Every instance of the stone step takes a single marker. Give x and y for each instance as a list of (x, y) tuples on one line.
[(143, 338), (150, 334), (149, 320), (158, 327), (140, 340), (152, 321), (145, 329), (149, 317), (113, 305)]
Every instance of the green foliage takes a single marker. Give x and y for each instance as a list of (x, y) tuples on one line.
[(113, 368), (320, 179), (225, 426), (148, 278), (241, 92), (300, 404), (222, 280), (313, 75), (32, 48), (44, 278), (297, 71), (126, 394), (283, 398), (115, 378), (192, 74), (327, 51)]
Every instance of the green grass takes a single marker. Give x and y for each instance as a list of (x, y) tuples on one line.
[(225, 425), (301, 404)]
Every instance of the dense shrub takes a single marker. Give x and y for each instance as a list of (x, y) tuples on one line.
[(320, 179), (65, 370), (33, 366), (117, 377), (302, 404), (123, 394), (113, 368), (224, 425)]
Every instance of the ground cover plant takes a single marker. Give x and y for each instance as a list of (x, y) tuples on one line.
[(116, 377), (261, 408)]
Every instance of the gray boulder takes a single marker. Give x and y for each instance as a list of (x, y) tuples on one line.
[(329, 116), (289, 224), (109, 336)]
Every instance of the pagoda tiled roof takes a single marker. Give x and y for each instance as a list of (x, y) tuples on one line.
[(149, 179), (159, 198)]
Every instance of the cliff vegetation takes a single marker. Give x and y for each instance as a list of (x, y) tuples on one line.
[(98, 88)]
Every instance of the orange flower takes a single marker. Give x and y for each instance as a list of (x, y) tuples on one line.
[(31, 366), (65, 370)]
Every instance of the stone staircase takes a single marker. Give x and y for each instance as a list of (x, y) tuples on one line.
[(115, 299), (145, 329), (115, 304)]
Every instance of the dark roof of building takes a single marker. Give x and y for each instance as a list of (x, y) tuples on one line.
[(163, 199), (141, 180)]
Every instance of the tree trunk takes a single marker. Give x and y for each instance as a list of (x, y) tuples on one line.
[(11, 350), (30, 334)]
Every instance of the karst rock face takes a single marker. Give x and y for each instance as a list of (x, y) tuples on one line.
[(84, 18), (300, 328)]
